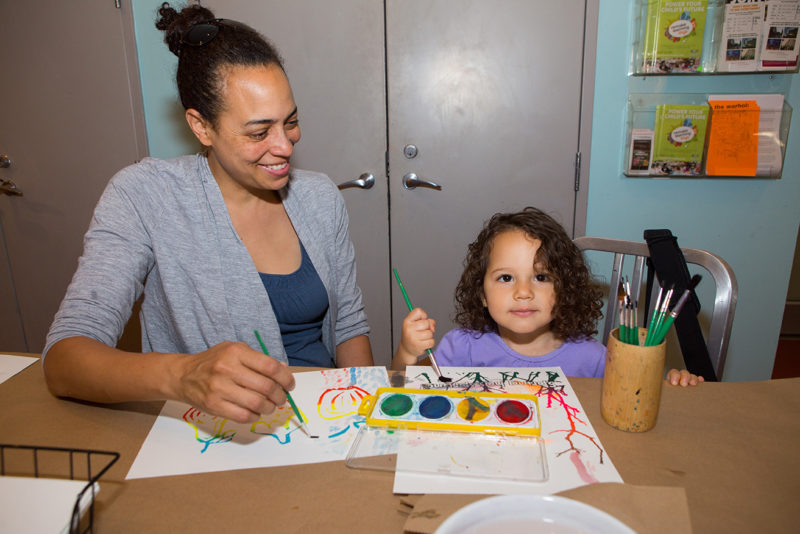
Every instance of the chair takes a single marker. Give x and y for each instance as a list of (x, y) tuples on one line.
[(724, 301)]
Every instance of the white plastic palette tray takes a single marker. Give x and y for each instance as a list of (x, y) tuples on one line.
[(459, 454)]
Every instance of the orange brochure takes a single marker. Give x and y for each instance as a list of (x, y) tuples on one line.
[(733, 138)]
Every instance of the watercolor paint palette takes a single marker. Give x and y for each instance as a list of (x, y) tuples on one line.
[(507, 414)]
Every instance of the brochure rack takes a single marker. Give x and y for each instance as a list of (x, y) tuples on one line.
[(64, 463), (680, 37), (766, 130)]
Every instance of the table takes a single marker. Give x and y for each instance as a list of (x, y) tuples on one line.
[(731, 446)]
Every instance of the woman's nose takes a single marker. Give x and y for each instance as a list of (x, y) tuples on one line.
[(282, 143)]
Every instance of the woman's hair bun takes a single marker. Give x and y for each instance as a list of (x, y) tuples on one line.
[(175, 24)]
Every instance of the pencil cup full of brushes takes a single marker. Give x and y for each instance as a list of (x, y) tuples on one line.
[(632, 383)]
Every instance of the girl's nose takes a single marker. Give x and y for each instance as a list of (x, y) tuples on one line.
[(523, 290)]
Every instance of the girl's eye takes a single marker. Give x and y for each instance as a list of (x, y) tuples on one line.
[(504, 278), (542, 277)]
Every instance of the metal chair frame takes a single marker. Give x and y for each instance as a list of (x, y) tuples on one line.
[(724, 301)]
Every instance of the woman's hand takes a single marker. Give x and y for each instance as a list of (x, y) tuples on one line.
[(232, 380), (683, 378), (416, 338)]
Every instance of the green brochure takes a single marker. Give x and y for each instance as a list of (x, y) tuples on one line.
[(673, 40), (679, 139)]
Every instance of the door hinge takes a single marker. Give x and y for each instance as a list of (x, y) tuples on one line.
[(577, 171)]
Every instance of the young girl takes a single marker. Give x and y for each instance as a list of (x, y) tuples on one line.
[(526, 299)]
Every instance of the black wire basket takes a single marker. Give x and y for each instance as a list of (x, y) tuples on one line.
[(63, 463)]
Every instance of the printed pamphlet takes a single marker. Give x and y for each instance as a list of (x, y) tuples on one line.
[(679, 139), (770, 147), (673, 40), (779, 37), (741, 35), (641, 151)]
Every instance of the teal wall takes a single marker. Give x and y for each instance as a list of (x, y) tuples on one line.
[(753, 224), (168, 134)]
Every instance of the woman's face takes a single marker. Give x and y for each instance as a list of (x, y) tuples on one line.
[(254, 137)]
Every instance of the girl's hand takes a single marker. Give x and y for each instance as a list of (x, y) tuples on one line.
[(416, 338), (683, 378)]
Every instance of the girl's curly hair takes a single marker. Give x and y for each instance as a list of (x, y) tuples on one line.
[(578, 298)]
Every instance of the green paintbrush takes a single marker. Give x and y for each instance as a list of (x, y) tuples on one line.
[(288, 396), (662, 332), (436, 370)]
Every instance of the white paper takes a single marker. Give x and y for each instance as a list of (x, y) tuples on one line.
[(29, 504), (11, 365), (184, 440), (770, 157), (575, 456), (741, 36), (779, 48)]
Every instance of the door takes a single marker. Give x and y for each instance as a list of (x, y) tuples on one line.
[(489, 93), (71, 118)]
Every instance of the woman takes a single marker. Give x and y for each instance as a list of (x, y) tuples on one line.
[(223, 245)]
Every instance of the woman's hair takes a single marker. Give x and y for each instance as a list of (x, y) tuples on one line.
[(578, 298), (201, 69)]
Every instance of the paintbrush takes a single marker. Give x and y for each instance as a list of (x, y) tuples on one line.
[(288, 395), (623, 325), (651, 328), (662, 332), (660, 315), (633, 328), (429, 352)]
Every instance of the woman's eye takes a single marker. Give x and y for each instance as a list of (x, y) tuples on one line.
[(258, 135), (292, 124), (504, 278)]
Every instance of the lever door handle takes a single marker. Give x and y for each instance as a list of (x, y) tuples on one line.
[(412, 181), (7, 187), (365, 181)]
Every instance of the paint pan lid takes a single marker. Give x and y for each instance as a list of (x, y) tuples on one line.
[(460, 454)]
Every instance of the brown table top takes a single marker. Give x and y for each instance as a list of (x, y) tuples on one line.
[(730, 446)]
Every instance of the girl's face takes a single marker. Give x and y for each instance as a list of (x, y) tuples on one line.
[(519, 294), (254, 138)]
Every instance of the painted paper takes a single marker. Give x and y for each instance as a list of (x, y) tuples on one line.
[(185, 440), (575, 456)]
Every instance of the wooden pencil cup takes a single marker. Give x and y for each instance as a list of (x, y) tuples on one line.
[(632, 383)]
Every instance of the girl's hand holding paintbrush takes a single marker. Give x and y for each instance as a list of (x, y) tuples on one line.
[(416, 338)]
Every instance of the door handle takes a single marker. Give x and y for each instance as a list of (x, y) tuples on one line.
[(7, 187), (365, 181), (412, 181)]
